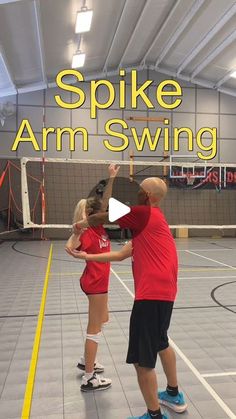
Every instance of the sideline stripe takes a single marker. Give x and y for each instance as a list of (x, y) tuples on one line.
[(209, 250), (34, 357), (192, 277), (194, 370), (219, 374)]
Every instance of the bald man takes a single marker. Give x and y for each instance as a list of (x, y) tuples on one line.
[(155, 268)]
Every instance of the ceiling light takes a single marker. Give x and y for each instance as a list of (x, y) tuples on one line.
[(233, 74), (83, 20), (78, 60)]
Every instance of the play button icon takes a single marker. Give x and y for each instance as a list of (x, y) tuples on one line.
[(117, 210), (125, 196)]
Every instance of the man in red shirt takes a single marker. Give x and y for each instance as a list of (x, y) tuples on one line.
[(155, 268)]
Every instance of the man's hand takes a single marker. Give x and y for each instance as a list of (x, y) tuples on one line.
[(77, 228), (113, 170)]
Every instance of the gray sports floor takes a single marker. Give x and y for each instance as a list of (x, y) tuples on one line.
[(203, 331)]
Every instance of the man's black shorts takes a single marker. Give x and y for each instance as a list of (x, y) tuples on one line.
[(149, 322)]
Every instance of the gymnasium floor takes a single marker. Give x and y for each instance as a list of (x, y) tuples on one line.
[(202, 330)]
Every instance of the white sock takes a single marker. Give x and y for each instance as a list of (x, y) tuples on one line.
[(88, 375), (82, 360)]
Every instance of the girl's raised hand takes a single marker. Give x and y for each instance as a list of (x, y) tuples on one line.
[(113, 170)]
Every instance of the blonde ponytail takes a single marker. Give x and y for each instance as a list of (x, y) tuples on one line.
[(79, 213)]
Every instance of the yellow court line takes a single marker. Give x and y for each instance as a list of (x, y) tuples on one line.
[(34, 357)]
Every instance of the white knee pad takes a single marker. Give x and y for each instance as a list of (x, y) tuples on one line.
[(95, 337)]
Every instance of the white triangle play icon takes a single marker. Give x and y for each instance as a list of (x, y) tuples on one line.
[(117, 210)]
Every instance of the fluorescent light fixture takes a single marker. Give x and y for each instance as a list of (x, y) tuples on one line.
[(83, 20), (78, 60), (233, 74)]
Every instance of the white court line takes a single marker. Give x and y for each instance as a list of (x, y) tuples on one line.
[(206, 277), (194, 370), (211, 260), (122, 282), (219, 374), (208, 250), (194, 277)]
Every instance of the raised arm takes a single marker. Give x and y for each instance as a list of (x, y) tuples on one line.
[(124, 253), (113, 171)]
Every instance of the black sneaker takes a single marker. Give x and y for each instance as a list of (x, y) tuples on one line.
[(95, 383)]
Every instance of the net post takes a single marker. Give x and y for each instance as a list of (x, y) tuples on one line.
[(43, 182), (25, 194)]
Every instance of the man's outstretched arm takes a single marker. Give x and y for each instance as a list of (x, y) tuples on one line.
[(93, 220)]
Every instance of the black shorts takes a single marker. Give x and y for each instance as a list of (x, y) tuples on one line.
[(149, 322)]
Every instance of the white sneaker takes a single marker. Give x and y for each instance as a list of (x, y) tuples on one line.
[(95, 383), (97, 367)]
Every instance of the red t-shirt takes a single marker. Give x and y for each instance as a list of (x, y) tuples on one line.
[(95, 278), (155, 262)]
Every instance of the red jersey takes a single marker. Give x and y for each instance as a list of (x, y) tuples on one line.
[(155, 262), (95, 278)]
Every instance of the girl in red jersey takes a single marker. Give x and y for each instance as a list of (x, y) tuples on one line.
[(94, 282)]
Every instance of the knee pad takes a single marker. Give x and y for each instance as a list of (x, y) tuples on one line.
[(94, 337)]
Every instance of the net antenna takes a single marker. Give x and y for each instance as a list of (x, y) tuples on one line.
[(7, 110)]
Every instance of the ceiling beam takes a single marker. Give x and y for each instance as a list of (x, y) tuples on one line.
[(163, 26), (163, 70), (114, 36), (200, 82), (214, 53), (184, 23), (10, 88), (226, 91), (225, 78), (218, 26), (37, 13), (7, 92), (134, 32), (33, 87)]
